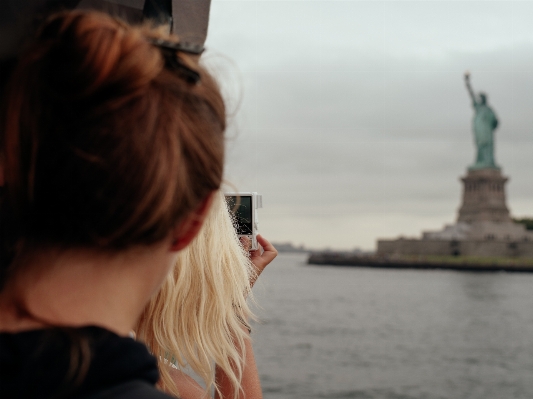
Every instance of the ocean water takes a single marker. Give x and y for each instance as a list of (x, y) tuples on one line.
[(333, 332)]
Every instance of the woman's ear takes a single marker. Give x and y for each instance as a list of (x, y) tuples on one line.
[(188, 228)]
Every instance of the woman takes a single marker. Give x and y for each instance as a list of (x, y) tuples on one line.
[(199, 317), (111, 147)]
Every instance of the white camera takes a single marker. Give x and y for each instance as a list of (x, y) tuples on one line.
[(243, 207)]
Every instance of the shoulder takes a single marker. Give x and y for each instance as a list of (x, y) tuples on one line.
[(136, 389)]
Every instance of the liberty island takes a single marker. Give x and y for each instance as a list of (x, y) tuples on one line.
[(484, 236)]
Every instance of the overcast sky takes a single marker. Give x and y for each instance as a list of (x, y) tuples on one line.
[(352, 119)]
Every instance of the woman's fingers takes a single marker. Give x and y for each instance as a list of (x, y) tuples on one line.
[(263, 256), (269, 252)]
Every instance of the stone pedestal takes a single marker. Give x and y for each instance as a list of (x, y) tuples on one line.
[(484, 197)]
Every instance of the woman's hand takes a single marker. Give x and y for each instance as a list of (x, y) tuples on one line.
[(262, 257)]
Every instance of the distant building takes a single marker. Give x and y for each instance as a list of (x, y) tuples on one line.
[(289, 247)]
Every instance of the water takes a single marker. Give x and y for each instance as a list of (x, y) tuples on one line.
[(332, 332)]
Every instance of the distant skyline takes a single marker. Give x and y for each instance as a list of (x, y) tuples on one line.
[(352, 119)]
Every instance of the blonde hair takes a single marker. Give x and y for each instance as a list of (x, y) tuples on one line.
[(197, 318)]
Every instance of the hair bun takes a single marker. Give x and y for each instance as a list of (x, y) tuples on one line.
[(103, 146), (98, 54)]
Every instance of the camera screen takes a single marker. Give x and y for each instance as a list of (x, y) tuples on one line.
[(241, 207)]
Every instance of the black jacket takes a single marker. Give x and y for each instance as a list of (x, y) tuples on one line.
[(88, 363)]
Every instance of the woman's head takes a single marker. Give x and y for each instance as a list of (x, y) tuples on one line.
[(197, 317), (102, 146)]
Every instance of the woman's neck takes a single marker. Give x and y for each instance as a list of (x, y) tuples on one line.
[(81, 287)]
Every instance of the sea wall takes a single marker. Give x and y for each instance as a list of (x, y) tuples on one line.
[(484, 248)]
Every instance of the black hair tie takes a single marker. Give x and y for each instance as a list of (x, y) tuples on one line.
[(170, 54)]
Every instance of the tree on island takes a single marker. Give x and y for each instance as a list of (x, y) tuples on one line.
[(528, 222)]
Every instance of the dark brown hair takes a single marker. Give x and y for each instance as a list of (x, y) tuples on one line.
[(102, 146)]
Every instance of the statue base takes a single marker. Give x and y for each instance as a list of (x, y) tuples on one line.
[(484, 197)]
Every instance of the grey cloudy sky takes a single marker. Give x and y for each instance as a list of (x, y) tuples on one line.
[(351, 117)]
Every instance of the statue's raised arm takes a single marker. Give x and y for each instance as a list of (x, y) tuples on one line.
[(469, 88)]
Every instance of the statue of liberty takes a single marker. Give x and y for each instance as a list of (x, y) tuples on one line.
[(484, 124)]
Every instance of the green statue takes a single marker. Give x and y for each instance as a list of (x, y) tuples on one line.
[(485, 122)]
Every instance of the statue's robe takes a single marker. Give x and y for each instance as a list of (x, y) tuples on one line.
[(485, 122)]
